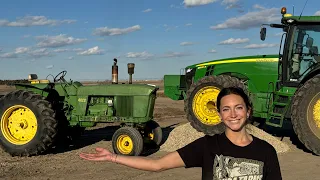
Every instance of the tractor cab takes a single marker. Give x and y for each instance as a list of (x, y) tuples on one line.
[(33, 79), (299, 57)]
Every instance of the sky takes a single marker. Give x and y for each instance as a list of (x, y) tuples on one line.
[(159, 36)]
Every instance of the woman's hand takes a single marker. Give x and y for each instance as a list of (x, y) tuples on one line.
[(100, 155)]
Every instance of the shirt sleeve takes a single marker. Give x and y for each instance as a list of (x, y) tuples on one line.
[(273, 171), (192, 154)]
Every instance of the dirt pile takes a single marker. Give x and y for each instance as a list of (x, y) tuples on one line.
[(185, 134)]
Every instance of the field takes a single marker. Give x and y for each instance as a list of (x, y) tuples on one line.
[(64, 162)]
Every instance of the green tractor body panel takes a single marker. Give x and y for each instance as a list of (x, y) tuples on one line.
[(87, 105), (256, 71)]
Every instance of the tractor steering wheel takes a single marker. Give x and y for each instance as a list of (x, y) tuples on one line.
[(62, 74)]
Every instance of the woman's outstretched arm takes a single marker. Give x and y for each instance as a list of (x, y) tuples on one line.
[(169, 161)]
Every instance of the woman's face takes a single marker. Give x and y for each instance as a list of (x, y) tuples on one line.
[(233, 112)]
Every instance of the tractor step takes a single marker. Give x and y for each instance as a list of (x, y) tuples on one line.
[(275, 115), (279, 93), (280, 103)]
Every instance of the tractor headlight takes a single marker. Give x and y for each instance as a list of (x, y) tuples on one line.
[(110, 103), (188, 70)]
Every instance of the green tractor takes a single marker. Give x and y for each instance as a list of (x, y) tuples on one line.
[(284, 87), (38, 113)]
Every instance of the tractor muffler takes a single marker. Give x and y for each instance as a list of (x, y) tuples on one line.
[(130, 71), (115, 72)]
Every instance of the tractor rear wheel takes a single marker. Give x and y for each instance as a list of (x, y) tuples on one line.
[(27, 124), (153, 132), (200, 104), (306, 114), (127, 141)]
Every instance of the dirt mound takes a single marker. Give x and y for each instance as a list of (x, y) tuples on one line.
[(185, 134)]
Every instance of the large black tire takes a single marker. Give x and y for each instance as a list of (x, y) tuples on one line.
[(306, 114), (127, 141), (28, 113), (216, 83)]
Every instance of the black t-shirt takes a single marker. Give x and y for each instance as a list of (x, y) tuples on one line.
[(220, 159)]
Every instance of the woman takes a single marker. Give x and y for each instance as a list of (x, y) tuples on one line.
[(234, 154)]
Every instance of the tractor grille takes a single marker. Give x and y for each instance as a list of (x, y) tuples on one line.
[(124, 106), (189, 77)]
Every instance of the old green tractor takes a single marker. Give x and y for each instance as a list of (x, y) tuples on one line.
[(282, 87), (36, 114)]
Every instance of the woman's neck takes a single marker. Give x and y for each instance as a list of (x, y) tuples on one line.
[(241, 138)]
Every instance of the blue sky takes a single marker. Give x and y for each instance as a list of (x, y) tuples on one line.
[(159, 36)]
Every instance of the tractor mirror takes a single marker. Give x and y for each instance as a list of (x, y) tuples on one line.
[(263, 32), (309, 42)]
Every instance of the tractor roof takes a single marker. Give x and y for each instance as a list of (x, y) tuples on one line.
[(301, 20)]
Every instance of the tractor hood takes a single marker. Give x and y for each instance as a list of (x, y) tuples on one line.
[(256, 58)]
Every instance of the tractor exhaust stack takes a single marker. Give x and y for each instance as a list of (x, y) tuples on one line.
[(130, 71), (115, 72)]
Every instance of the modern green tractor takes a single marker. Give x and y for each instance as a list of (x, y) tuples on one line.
[(36, 114), (282, 87)]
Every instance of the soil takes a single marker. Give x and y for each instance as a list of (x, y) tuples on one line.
[(64, 162)]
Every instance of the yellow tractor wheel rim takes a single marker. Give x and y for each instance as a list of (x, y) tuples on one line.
[(18, 125), (204, 105), (124, 144), (316, 113)]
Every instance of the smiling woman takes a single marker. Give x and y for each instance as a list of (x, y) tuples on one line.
[(232, 154)]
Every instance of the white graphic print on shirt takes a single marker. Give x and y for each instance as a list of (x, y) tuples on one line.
[(230, 168)]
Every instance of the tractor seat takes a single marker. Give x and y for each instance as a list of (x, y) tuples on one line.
[(33, 79), (314, 52)]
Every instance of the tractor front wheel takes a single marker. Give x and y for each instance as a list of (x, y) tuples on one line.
[(27, 124), (200, 104), (127, 141), (306, 114)]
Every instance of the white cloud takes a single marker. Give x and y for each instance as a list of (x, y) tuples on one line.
[(92, 51), (143, 55), (192, 3), (77, 49), (38, 53), (259, 46), (257, 6), (70, 58), (9, 55), (147, 10), (234, 41), (231, 4), (188, 24), (27, 21), (317, 13), (186, 43), (21, 50), (250, 20), (175, 6), (60, 50), (212, 51), (58, 41), (49, 66), (105, 31)]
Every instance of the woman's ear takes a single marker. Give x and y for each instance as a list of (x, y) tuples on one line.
[(248, 112)]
